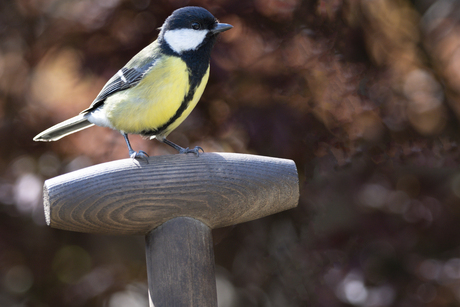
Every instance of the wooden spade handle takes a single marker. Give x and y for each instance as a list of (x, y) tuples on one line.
[(132, 197), (180, 264)]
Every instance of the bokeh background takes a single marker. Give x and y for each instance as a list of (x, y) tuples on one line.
[(364, 96)]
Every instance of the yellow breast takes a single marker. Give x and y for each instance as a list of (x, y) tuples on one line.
[(156, 99)]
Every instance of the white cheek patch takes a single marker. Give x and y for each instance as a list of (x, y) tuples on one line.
[(184, 39)]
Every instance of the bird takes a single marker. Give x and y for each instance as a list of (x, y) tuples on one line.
[(158, 88)]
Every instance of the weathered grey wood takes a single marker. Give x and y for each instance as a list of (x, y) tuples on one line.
[(133, 197), (174, 200), (180, 264)]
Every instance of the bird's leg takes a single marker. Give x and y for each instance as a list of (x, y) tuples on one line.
[(181, 150), (133, 154)]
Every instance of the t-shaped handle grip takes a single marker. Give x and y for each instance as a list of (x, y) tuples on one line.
[(132, 197)]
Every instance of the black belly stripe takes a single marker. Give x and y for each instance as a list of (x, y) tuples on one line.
[(184, 105), (197, 62)]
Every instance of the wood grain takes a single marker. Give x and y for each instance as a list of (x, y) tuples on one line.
[(133, 197), (180, 264)]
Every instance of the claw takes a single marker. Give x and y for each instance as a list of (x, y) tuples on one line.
[(182, 150), (142, 155), (195, 150), (133, 154)]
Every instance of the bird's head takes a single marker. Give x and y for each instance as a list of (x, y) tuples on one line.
[(189, 28)]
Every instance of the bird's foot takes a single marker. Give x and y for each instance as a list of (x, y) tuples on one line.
[(181, 150), (195, 150), (139, 155)]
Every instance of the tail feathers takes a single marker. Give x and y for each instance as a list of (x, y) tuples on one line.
[(64, 128)]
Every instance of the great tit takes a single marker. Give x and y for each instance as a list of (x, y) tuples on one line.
[(158, 88)]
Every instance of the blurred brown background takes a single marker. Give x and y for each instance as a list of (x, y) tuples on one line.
[(364, 95)]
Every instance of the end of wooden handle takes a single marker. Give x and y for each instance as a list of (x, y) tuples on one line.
[(46, 204)]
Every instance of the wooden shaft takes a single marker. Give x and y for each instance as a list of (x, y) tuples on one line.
[(180, 264), (132, 197)]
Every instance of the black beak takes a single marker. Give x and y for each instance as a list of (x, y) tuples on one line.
[(221, 27)]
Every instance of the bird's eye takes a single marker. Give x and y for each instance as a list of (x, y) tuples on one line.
[(196, 26)]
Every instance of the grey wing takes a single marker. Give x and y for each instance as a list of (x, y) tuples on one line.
[(125, 78)]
